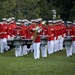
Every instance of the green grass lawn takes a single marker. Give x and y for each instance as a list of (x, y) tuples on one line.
[(55, 64)]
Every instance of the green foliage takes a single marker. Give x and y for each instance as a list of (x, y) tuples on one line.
[(72, 11), (46, 10), (30, 9)]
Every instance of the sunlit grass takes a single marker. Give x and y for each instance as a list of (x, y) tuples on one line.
[(54, 64)]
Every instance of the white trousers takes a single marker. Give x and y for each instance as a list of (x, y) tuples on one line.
[(60, 44), (68, 51), (36, 50), (55, 45), (31, 48), (18, 51), (24, 50), (50, 47), (3, 45), (73, 47), (0, 45), (44, 51)]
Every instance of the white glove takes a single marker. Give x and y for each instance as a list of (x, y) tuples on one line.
[(64, 35), (12, 38), (60, 36), (39, 31), (54, 38), (34, 29), (9, 38)]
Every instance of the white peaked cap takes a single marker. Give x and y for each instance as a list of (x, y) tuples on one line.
[(74, 23), (25, 20), (13, 18), (17, 23), (60, 20), (8, 20), (36, 20), (19, 20), (63, 22), (50, 21), (54, 21), (32, 20), (4, 19), (69, 22), (39, 19)]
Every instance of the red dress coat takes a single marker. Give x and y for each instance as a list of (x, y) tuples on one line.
[(51, 33), (4, 31)]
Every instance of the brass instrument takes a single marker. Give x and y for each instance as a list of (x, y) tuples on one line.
[(36, 31), (18, 40), (35, 35)]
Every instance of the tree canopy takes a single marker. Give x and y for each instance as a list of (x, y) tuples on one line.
[(31, 9)]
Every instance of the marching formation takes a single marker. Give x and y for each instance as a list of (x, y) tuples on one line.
[(47, 37)]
